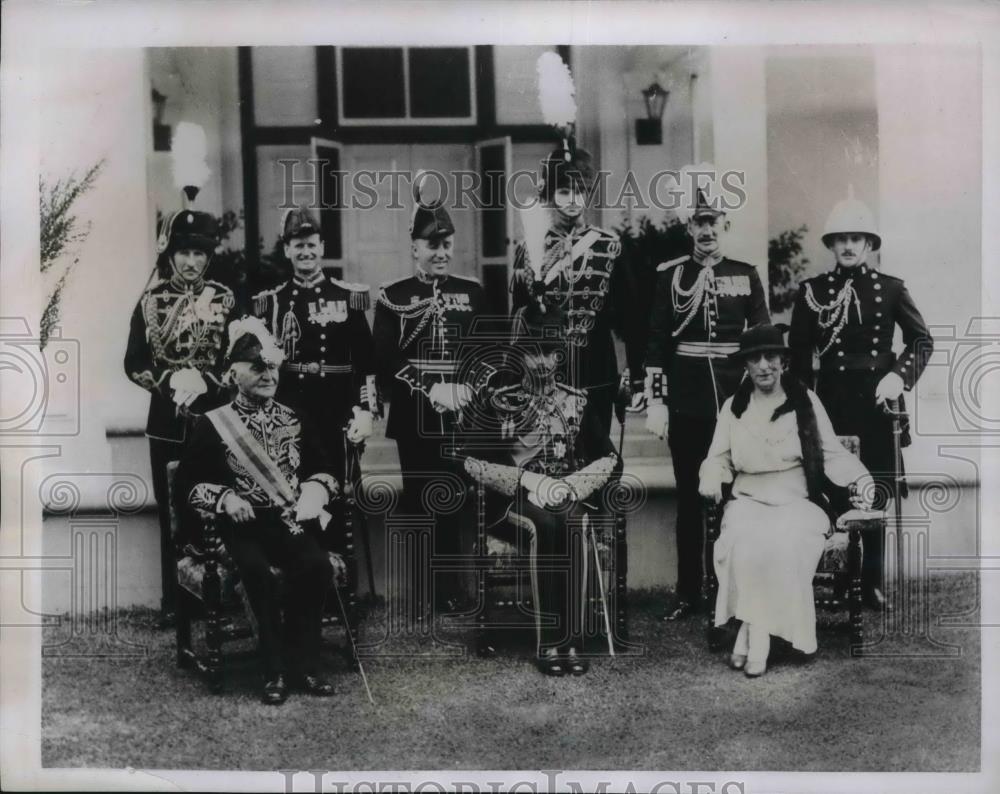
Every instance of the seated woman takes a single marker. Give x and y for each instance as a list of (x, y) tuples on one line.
[(543, 456), (774, 442)]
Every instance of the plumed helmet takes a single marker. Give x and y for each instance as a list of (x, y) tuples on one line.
[(298, 222), (851, 216), (188, 229), (430, 219), (250, 341), (566, 166)]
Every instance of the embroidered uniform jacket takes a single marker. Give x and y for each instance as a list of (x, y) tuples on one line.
[(209, 469), (175, 326), (329, 352), (696, 321), (582, 272), (424, 335), (860, 308), (521, 429)]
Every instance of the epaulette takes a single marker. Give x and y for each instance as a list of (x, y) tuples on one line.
[(571, 390), (606, 233), (667, 265), (219, 285), (261, 299), (394, 282), (882, 274), (360, 298), (159, 282), (510, 398)]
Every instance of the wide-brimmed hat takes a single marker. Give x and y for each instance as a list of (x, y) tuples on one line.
[(762, 338)]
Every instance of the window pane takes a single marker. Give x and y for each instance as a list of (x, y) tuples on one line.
[(373, 83), (439, 82), (284, 85), (514, 70)]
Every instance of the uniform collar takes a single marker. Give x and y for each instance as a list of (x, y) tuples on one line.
[(311, 281), (706, 260), (847, 272), (181, 285), (247, 406)]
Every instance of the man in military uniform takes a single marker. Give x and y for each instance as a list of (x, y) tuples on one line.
[(847, 316), (175, 350), (548, 457), (580, 273), (703, 303), (255, 463), (423, 328), (329, 370)]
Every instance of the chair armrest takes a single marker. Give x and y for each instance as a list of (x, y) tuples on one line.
[(859, 519)]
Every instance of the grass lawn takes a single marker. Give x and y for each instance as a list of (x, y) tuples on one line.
[(674, 707)]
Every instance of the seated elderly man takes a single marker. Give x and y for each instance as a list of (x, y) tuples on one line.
[(255, 464), (548, 456), (775, 444)]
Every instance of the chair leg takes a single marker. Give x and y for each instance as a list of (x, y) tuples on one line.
[(854, 606), (212, 589), (183, 613)]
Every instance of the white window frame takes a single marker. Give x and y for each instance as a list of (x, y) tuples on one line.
[(407, 120)]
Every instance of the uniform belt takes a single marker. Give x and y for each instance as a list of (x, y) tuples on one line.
[(315, 368), (854, 361), (430, 365), (707, 349)]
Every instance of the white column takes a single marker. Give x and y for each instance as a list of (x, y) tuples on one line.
[(739, 124)]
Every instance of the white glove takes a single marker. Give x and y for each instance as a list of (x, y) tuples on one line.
[(656, 419), (360, 427), (463, 396), (889, 388), (545, 491), (312, 499), (236, 507), (443, 397), (188, 385), (862, 492), (711, 489)]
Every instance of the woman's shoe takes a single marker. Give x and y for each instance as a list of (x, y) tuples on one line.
[(550, 664), (575, 664), (737, 661), (754, 669)]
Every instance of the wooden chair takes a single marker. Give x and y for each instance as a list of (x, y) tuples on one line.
[(504, 575), (837, 583), (208, 589)]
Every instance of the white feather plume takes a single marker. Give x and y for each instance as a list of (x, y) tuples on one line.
[(270, 351), (188, 151), (691, 178), (556, 93), (535, 222)]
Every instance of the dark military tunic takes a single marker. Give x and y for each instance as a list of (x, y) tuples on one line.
[(698, 315), (550, 433), (696, 322), (423, 329), (582, 274), (329, 362), (209, 470), (847, 317), (177, 326)]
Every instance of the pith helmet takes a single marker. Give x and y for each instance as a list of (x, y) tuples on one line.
[(851, 216)]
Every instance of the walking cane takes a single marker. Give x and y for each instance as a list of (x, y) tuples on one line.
[(892, 408)]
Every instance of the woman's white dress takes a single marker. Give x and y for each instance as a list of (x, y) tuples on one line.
[(772, 536)]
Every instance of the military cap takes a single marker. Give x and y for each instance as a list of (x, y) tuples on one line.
[(298, 222), (430, 221), (703, 207), (566, 166), (188, 229)]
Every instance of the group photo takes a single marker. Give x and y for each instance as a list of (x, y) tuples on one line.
[(443, 406)]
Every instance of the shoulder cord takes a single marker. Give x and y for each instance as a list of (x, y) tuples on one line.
[(834, 315), (687, 302)]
